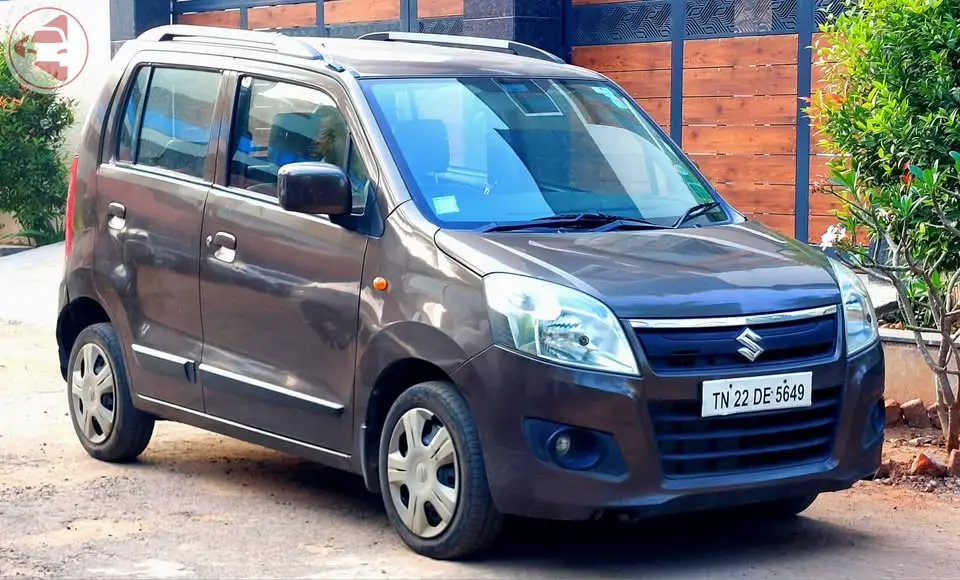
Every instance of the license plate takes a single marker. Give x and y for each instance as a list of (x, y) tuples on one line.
[(752, 394)]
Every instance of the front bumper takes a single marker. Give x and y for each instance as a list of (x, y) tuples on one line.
[(509, 392)]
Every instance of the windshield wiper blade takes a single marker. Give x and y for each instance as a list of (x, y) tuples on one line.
[(605, 221), (695, 212), (595, 216)]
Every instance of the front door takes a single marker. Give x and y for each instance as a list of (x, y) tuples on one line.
[(152, 186), (279, 291)]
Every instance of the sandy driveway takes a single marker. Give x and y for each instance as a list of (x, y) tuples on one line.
[(203, 506)]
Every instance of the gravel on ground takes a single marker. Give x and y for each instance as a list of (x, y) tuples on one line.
[(199, 505)]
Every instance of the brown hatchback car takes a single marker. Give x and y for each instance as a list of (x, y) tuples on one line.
[(478, 276)]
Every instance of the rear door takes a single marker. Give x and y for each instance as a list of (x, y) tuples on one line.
[(280, 291), (156, 169)]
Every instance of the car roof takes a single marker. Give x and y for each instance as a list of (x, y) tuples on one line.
[(377, 58), (383, 54)]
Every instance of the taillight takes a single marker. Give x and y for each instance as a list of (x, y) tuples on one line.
[(68, 218)]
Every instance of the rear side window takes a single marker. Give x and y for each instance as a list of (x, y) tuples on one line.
[(278, 123), (176, 120)]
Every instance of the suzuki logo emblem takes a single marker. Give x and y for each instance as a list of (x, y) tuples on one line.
[(751, 344)]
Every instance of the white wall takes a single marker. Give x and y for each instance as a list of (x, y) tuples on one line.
[(94, 15)]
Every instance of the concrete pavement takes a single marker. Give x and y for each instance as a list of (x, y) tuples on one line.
[(28, 285)]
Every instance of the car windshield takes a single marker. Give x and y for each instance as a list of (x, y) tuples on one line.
[(480, 151)]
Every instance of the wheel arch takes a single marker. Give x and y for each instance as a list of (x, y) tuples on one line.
[(398, 358), (78, 314)]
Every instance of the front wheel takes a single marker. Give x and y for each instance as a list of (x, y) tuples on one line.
[(432, 476)]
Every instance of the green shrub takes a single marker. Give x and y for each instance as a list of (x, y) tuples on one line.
[(890, 111), (33, 171)]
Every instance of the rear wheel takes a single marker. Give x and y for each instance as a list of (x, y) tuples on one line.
[(109, 427), (432, 476)]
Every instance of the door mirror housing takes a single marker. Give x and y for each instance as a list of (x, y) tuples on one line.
[(317, 188)]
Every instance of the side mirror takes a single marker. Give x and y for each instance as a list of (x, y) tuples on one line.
[(311, 187)]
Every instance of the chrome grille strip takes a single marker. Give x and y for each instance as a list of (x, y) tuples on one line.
[(727, 321)]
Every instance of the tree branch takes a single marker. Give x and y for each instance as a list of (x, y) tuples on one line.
[(922, 329), (951, 284), (936, 265), (952, 228), (906, 309)]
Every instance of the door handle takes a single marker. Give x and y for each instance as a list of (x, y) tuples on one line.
[(225, 246), (223, 240), (117, 214)]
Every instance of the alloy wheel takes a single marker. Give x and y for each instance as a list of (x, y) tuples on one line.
[(423, 473)]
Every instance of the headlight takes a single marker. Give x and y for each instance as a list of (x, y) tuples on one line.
[(556, 323), (859, 317)]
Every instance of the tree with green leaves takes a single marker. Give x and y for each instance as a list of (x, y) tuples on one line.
[(889, 111), (33, 170)]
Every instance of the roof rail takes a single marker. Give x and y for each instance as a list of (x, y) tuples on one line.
[(471, 42), (271, 41)]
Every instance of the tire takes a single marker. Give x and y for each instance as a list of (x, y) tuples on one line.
[(475, 522), (783, 508), (129, 433)]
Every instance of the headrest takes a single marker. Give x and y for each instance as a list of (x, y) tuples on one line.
[(331, 134), (292, 137)]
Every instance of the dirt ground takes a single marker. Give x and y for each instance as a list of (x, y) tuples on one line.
[(203, 506)]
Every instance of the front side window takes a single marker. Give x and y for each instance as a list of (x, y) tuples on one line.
[(476, 151), (278, 123), (128, 124), (177, 120)]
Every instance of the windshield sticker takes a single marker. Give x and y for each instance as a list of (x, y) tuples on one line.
[(445, 204)]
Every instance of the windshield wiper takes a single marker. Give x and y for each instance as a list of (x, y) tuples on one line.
[(695, 212), (600, 221)]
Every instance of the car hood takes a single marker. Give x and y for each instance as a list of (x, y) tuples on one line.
[(729, 270)]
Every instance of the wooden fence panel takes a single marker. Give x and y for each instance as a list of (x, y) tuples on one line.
[(349, 18), (344, 11), (768, 110), (289, 15), (222, 18), (739, 121), (743, 51), (642, 69), (439, 8)]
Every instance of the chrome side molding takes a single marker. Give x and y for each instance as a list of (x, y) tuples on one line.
[(270, 387), (247, 428), (159, 354)]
